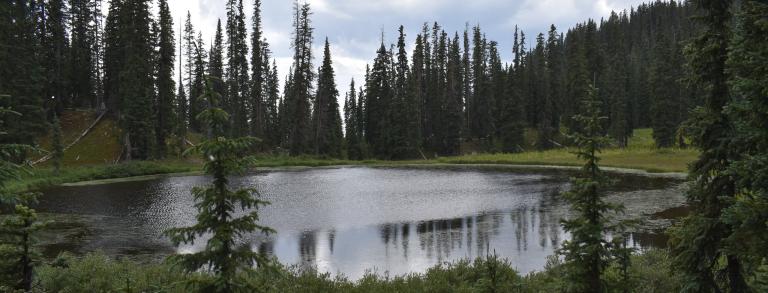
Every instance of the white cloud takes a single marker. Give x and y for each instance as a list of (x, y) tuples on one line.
[(322, 6)]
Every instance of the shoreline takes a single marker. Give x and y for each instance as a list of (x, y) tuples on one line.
[(426, 165)]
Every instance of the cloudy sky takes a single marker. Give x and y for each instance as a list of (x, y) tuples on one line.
[(354, 27)]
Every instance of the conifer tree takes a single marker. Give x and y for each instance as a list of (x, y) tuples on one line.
[(616, 83), (326, 120), (216, 63), (17, 254), (272, 96), (577, 78), (113, 58), (748, 54), (55, 45), (540, 103), (663, 94), (200, 67), (353, 135), (453, 122), (417, 91), (81, 58), (586, 254), (378, 99), (512, 122), (481, 94), (405, 128), (21, 74), (166, 97), (236, 99), (298, 91), (181, 118), (96, 33), (191, 52), (466, 72), (17, 249), (136, 88), (217, 208), (189, 48), (258, 105), (555, 76), (697, 244)]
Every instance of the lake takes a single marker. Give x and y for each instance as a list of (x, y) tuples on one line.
[(352, 219)]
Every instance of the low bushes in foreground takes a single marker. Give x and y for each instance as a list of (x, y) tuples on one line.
[(650, 272)]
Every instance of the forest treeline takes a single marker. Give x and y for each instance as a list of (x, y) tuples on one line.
[(453, 90), (451, 94)]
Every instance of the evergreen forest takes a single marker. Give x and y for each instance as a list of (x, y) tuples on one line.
[(692, 75)]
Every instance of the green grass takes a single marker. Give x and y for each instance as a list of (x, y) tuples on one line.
[(40, 178), (100, 146), (651, 160), (640, 154)]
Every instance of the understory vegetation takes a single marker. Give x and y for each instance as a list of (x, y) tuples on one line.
[(650, 272)]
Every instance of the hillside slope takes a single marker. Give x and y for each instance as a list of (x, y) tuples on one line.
[(101, 145)]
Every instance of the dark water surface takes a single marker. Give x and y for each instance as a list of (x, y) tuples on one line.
[(349, 220)]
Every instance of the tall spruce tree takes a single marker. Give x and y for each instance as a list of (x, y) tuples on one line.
[(182, 122), (616, 82), (326, 119), (195, 105), (55, 45), (453, 104), (272, 96), (417, 91), (378, 103), (298, 93), (406, 135), (512, 124), (697, 244), (82, 80), (540, 100), (217, 208), (236, 99), (166, 97), (189, 53), (497, 76), (481, 106), (136, 88), (663, 94), (353, 135), (258, 105), (577, 78), (555, 76), (21, 74), (96, 33), (466, 71), (113, 58), (748, 54), (216, 63)]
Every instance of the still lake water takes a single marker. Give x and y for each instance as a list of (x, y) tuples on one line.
[(352, 219)]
